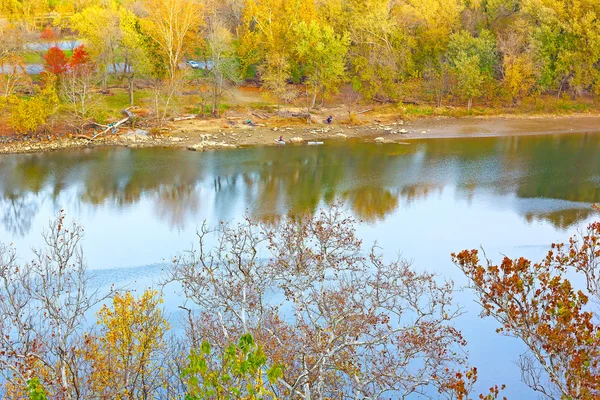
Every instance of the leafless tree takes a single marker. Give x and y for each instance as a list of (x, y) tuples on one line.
[(163, 93), (12, 66), (344, 323), (224, 69), (79, 91), (43, 305)]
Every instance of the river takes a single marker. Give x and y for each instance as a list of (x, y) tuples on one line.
[(510, 195)]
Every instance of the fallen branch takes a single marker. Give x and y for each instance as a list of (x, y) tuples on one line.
[(293, 114), (364, 111), (115, 125), (260, 116), (184, 118)]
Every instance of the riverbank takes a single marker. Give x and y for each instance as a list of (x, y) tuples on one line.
[(211, 134)]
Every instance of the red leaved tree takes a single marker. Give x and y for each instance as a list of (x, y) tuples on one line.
[(56, 61), (538, 304), (80, 58), (48, 34)]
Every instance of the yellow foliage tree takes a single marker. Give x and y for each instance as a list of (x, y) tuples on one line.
[(519, 76), (28, 114), (125, 357), (269, 39), (99, 26), (172, 25), (429, 24)]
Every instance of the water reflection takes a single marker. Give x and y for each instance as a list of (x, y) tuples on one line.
[(373, 180)]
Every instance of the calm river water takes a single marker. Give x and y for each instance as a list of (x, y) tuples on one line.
[(426, 199)]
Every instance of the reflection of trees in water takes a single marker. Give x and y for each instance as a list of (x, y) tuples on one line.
[(562, 219), (226, 190), (175, 204), (21, 181), (412, 193), (273, 182), (17, 213), (558, 167), (372, 203), (299, 180)]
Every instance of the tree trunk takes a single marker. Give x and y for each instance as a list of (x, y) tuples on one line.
[(130, 87), (470, 104), (215, 109), (104, 80)]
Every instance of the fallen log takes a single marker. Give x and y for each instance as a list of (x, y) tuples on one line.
[(260, 116), (293, 114), (184, 118), (114, 125)]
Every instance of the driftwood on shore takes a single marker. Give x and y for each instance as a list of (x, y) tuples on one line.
[(114, 125), (257, 115), (184, 118), (294, 114)]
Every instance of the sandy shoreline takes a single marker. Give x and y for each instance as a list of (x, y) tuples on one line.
[(202, 135)]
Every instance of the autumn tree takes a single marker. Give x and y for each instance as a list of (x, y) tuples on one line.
[(518, 63), (14, 75), (80, 58), (56, 61), (12, 39), (428, 26), (470, 77), (172, 25), (566, 42), (27, 115), (474, 60), (268, 40), (48, 34), (554, 318), (99, 26), (25, 12), (344, 323), (127, 356), (12, 63), (379, 56), (322, 53), (133, 47)]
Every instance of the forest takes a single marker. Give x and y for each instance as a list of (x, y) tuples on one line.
[(440, 53)]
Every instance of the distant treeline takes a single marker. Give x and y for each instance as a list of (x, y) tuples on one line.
[(386, 50)]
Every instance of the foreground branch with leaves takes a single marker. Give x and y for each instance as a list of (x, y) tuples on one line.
[(538, 304)]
